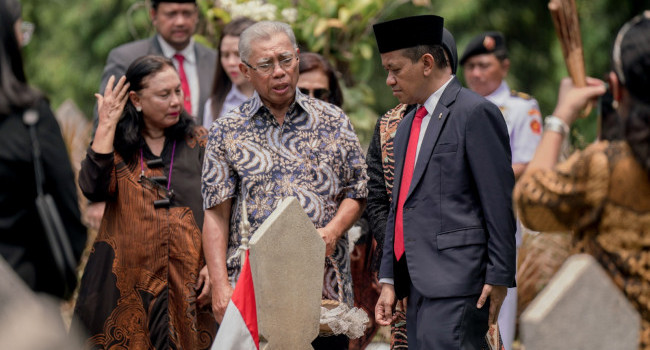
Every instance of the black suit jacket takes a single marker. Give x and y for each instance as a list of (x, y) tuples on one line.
[(459, 227), (122, 56)]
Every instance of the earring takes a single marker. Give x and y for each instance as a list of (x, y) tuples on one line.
[(138, 108), (615, 104)]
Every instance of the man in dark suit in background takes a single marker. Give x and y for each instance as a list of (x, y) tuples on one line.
[(175, 22), (450, 233)]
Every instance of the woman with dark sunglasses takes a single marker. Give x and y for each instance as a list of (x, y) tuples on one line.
[(318, 79)]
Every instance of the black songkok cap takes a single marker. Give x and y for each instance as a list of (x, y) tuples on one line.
[(488, 42), (408, 32)]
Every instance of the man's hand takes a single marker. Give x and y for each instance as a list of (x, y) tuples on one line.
[(497, 294), (384, 310), (203, 284), (221, 295), (330, 238)]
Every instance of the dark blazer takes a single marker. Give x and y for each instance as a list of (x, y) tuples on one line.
[(459, 227), (122, 56)]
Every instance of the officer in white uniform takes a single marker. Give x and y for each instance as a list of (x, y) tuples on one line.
[(485, 65)]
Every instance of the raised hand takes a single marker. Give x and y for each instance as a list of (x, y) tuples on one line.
[(110, 108)]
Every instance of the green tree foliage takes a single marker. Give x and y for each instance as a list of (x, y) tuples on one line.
[(73, 38), (71, 42)]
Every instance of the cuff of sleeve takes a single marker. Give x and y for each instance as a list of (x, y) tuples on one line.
[(387, 281), (99, 156)]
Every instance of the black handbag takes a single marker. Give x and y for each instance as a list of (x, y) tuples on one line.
[(57, 238)]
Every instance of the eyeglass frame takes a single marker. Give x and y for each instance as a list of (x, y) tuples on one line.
[(272, 65)]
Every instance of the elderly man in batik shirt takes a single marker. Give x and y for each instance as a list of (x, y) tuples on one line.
[(278, 144)]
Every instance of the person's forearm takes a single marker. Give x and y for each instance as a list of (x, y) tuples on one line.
[(518, 169), (349, 212), (104, 136), (548, 151), (215, 241)]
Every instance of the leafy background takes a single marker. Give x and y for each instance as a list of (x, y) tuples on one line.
[(73, 37)]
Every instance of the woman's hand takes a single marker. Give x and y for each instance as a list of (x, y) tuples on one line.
[(110, 106), (221, 295), (203, 284), (571, 99)]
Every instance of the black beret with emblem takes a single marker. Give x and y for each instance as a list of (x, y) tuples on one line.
[(408, 32), (488, 42)]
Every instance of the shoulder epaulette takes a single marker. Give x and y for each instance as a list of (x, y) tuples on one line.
[(523, 95)]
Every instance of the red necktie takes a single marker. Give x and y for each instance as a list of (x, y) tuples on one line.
[(184, 84), (407, 175)]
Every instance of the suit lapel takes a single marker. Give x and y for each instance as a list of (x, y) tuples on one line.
[(154, 47), (437, 122), (205, 76), (399, 145)]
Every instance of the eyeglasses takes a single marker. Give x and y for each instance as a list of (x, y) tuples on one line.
[(27, 31), (321, 93), (269, 67), (616, 52)]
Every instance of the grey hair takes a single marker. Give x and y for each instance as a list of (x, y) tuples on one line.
[(263, 30)]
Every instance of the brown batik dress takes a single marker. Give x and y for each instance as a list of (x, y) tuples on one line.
[(138, 287), (603, 195)]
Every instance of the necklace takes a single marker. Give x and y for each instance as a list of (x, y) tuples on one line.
[(165, 202)]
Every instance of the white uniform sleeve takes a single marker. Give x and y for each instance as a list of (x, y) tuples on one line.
[(526, 130)]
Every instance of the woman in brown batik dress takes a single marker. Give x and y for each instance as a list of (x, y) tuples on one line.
[(602, 194), (146, 279)]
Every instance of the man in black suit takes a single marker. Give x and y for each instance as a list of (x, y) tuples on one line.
[(450, 233)]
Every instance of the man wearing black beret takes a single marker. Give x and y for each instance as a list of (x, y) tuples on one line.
[(450, 233), (485, 66)]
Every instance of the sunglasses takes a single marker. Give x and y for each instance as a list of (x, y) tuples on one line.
[(321, 94)]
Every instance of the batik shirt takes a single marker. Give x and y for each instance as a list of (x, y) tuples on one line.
[(314, 156)]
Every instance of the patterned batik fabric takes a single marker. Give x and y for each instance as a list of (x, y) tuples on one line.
[(138, 289), (314, 155), (603, 195), (387, 130)]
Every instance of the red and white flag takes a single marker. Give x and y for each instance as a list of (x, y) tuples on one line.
[(238, 330)]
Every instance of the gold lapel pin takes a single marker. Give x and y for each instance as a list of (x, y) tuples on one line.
[(439, 116)]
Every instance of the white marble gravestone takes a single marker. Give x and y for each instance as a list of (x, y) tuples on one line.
[(287, 263), (580, 308)]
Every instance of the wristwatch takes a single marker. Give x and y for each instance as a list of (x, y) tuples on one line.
[(555, 124)]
